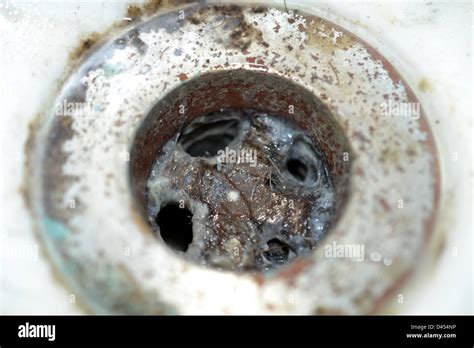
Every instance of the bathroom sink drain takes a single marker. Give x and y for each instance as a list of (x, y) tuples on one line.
[(331, 217), (256, 185)]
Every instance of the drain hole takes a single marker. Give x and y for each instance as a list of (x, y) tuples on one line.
[(204, 137), (276, 176), (303, 164), (176, 227), (278, 252), (209, 146), (297, 168)]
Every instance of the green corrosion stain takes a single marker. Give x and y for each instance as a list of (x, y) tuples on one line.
[(113, 69), (57, 233), (55, 229)]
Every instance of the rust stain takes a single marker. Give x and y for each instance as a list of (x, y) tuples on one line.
[(84, 46), (150, 7), (322, 35), (277, 28), (384, 204), (424, 85), (291, 273), (134, 13), (259, 279), (243, 34)]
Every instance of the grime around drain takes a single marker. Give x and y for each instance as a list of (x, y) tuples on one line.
[(240, 190)]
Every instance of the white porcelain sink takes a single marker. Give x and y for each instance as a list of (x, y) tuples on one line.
[(428, 42)]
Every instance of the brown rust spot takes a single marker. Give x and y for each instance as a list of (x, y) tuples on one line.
[(91, 40), (326, 311), (242, 35), (28, 148), (291, 273), (84, 46), (134, 12), (270, 306), (183, 77), (322, 34), (259, 279), (194, 20), (424, 85), (440, 246), (138, 11), (258, 9), (384, 204)]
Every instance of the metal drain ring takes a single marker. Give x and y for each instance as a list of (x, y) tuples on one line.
[(85, 208)]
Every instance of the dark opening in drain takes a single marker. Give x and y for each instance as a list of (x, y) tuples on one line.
[(297, 168), (278, 252), (263, 186), (176, 227), (205, 137)]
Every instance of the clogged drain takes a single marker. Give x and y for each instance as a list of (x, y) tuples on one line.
[(240, 190)]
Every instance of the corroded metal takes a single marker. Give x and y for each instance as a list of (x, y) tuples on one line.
[(258, 201)]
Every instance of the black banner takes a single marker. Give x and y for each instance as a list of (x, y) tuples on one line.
[(156, 330)]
